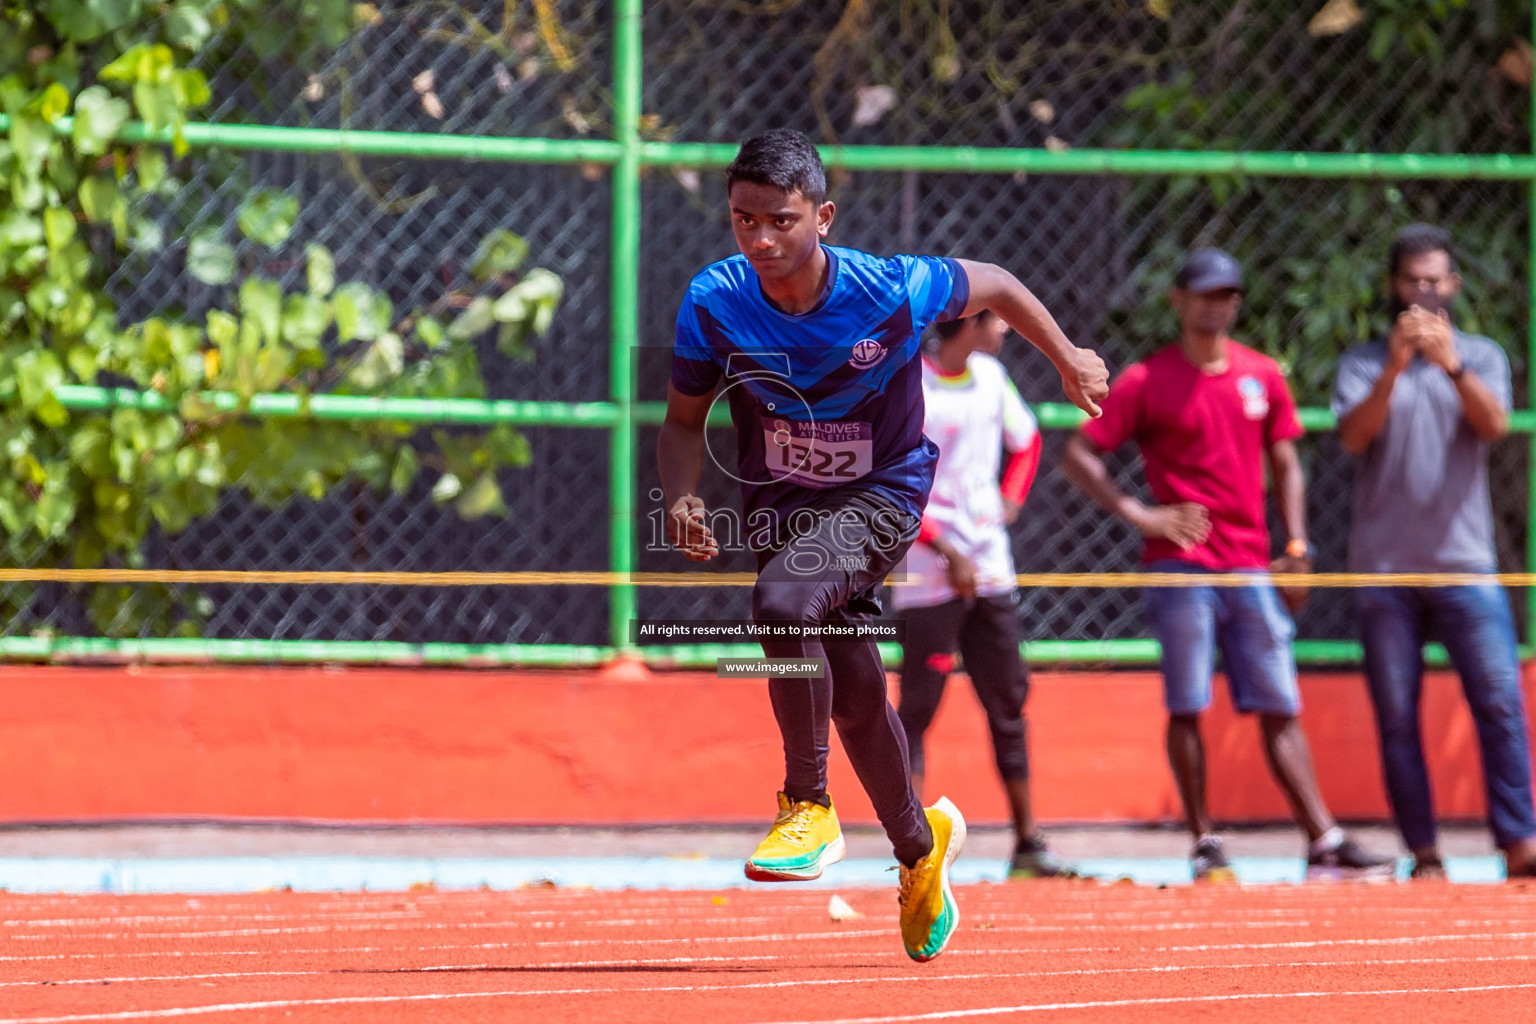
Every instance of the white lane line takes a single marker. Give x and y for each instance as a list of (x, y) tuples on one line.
[(354, 914), (682, 939), (188, 1011), (141, 919), (1108, 1004), (367, 925), (427, 925), (861, 933), (536, 968)]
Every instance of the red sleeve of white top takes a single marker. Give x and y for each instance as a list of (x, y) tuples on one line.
[(1019, 474)]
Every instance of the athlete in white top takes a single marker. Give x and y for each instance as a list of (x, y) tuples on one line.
[(972, 415), (956, 588)]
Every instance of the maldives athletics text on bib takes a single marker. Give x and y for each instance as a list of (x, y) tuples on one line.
[(819, 455)]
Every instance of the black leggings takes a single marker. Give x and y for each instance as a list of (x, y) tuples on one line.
[(985, 630), (828, 574)]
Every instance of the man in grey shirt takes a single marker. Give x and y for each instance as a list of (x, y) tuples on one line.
[(1420, 409)]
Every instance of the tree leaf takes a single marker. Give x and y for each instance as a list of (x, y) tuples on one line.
[(544, 290), (30, 140), (511, 307), (150, 166), (261, 304), (98, 116), (59, 225), (382, 363), (157, 105), (83, 363), (319, 269), (190, 89), (51, 104), (429, 331), (447, 488), (474, 321), (361, 313), (507, 446), (305, 318), (98, 197), (187, 26), (146, 235), (404, 471), (266, 216), (499, 252), (142, 62), (38, 372), (55, 509), (209, 258), (18, 230), (222, 329), (481, 499)]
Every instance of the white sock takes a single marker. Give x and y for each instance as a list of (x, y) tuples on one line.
[(1328, 841)]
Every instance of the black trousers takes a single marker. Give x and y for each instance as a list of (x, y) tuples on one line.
[(985, 630), (829, 571)]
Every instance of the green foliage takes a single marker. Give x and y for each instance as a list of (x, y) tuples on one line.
[(87, 489), (1316, 274)]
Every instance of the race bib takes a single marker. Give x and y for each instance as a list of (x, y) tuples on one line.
[(819, 455)]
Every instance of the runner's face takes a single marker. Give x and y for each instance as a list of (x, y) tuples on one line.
[(777, 231)]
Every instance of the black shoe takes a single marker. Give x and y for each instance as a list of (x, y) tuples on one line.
[(1031, 859), (1428, 869), (1209, 859), (1349, 860)]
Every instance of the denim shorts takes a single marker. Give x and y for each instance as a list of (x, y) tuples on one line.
[(1247, 624)]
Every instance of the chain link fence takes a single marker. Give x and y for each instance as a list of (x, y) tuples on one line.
[(1099, 250)]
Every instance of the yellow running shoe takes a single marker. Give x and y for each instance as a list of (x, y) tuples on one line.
[(805, 838), (929, 914)]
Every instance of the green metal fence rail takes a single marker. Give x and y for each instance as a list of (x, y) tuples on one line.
[(626, 154)]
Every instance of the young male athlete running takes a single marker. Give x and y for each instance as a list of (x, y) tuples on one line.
[(817, 349)]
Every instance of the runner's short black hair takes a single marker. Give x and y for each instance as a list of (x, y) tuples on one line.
[(783, 158), (1416, 240), (947, 329)]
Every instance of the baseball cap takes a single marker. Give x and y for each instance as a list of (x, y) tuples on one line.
[(1210, 270)]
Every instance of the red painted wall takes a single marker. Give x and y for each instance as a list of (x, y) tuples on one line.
[(576, 747)]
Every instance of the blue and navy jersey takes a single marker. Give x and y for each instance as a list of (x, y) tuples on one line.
[(832, 397)]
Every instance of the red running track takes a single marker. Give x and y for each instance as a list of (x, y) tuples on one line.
[(1047, 951)]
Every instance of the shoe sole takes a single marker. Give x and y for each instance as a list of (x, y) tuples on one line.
[(1381, 873), (1217, 876), (1031, 875), (836, 850), (956, 842)]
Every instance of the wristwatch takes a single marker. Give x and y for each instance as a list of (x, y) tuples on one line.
[(1298, 548), (1458, 373)]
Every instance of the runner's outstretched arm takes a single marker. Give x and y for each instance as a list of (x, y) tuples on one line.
[(1083, 375), (680, 460)]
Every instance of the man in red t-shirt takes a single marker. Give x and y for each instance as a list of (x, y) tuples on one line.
[(1206, 413)]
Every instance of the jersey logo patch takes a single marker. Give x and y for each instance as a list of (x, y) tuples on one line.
[(1255, 398), (866, 353)]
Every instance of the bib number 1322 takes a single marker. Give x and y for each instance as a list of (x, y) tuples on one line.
[(819, 455)]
